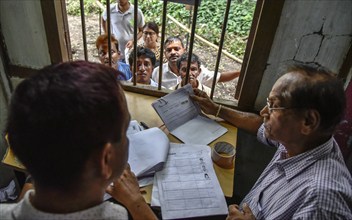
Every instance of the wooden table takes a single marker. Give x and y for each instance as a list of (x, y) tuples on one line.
[(140, 109)]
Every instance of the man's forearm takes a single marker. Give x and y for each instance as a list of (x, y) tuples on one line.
[(227, 76), (142, 211), (249, 122)]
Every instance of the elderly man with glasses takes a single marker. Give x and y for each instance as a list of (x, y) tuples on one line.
[(307, 177)]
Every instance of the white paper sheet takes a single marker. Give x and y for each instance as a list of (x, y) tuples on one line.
[(182, 118), (134, 127), (199, 130), (188, 186)]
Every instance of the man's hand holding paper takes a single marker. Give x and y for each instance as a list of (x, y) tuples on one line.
[(182, 117)]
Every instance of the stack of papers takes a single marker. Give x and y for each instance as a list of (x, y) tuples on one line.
[(148, 151), (188, 186), (182, 117)]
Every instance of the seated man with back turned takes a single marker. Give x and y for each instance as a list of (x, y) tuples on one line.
[(173, 50), (67, 125), (307, 177), (102, 46), (194, 72)]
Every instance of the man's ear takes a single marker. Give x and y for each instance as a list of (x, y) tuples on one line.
[(311, 121), (106, 160)]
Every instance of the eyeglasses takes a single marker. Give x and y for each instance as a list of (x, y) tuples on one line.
[(271, 109), (149, 33)]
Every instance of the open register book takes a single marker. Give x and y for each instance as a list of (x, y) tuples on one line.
[(182, 117), (148, 151)]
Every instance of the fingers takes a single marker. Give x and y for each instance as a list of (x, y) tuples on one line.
[(109, 189), (200, 93), (247, 211), (234, 210), (236, 213)]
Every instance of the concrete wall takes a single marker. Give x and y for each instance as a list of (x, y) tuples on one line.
[(315, 31), (23, 29), (6, 173)]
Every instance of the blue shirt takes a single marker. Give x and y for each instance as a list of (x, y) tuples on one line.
[(313, 185), (125, 69)]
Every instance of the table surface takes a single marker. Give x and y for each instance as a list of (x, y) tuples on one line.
[(140, 109)]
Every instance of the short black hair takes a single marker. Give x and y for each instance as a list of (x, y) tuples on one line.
[(61, 116), (318, 89), (173, 39), (184, 57), (142, 51)]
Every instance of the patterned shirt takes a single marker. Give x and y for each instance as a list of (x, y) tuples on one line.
[(313, 185)]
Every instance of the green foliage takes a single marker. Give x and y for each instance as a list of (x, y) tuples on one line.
[(209, 20), (73, 7)]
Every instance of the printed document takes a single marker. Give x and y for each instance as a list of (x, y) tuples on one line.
[(182, 117), (188, 186)]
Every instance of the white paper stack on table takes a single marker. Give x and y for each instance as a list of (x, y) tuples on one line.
[(148, 150), (188, 186), (182, 117)]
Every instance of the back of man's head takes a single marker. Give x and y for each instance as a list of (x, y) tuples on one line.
[(184, 58), (312, 87), (61, 116)]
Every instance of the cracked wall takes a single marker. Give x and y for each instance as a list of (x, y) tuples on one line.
[(318, 32)]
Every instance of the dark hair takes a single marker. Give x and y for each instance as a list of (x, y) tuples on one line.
[(152, 25), (61, 116), (184, 57), (318, 89), (173, 39), (142, 51)]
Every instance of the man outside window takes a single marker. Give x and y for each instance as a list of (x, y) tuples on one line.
[(194, 72), (122, 24), (173, 49), (102, 46), (145, 64)]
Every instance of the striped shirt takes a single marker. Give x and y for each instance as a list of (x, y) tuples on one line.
[(313, 185)]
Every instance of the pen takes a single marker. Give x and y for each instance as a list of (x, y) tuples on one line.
[(144, 125)]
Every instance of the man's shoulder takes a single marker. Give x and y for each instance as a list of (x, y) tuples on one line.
[(113, 9), (124, 65), (165, 69), (7, 210)]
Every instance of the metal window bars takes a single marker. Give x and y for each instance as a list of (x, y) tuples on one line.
[(195, 3)]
